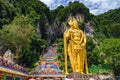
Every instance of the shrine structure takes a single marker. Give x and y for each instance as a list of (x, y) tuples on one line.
[(9, 70)]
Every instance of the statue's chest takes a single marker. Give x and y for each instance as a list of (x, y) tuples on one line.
[(75, 34)]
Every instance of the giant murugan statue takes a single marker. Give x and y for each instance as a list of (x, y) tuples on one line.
[(75, 48)]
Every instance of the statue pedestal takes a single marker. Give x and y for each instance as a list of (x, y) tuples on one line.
[(78, 76)]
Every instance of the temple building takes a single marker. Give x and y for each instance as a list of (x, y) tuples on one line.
[(9, 70), (47, 69)]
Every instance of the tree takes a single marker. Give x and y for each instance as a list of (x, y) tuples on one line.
[(115, 30), (60, 50), (110, 52), (7, 12), (32, 55), (17, 35), (90, 47)]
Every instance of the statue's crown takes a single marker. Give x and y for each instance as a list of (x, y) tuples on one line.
[(72, 20)]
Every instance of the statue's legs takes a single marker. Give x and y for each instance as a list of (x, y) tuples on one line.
[(82, 61), (78, 62), (71, 57)]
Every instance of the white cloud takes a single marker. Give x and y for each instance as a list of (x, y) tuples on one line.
[(105, 6), (95, 6), (93, 1), (47, 2)]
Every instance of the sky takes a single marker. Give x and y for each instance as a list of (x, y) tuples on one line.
[(95, 6)]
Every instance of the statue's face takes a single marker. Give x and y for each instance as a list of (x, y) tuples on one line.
[(75, 24)]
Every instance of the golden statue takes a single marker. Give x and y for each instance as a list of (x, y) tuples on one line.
[(76, 48)]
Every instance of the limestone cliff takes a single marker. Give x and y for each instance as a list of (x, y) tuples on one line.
[(56, 29)]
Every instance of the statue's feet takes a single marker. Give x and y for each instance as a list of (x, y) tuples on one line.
[(82, 73), (87, 72), (66, 73), (77, 70)]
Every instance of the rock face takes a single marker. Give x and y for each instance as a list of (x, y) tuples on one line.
[(88, 30), (56, 28)]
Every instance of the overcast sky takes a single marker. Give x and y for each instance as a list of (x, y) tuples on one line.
[(96, 6)]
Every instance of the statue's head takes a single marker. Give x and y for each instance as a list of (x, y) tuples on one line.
[(73, 23)]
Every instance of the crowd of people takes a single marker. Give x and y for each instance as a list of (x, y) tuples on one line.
[(12, 65)]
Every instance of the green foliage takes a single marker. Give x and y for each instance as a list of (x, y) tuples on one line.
[(90, 44), (111, 31), (77, 7), (107, 24), (61, 55), (92, 54), (106, 53), (7, 12), (35, 9), (112, 16), (37, 46), (60, 51), (60, 45), (82, 25), (110, 52), (115, 30), (94, 69), (54, 13), (73, 8), (62, 16), (99, 69), (17, 35)]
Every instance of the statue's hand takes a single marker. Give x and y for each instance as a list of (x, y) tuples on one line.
[(83, 44), (80, 48)]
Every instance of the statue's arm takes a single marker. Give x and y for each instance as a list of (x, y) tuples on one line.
[(82, 37), (84, 40)]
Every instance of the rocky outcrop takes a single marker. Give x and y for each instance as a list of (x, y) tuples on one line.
[(56, 29), (88, 30), (38, 30)]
